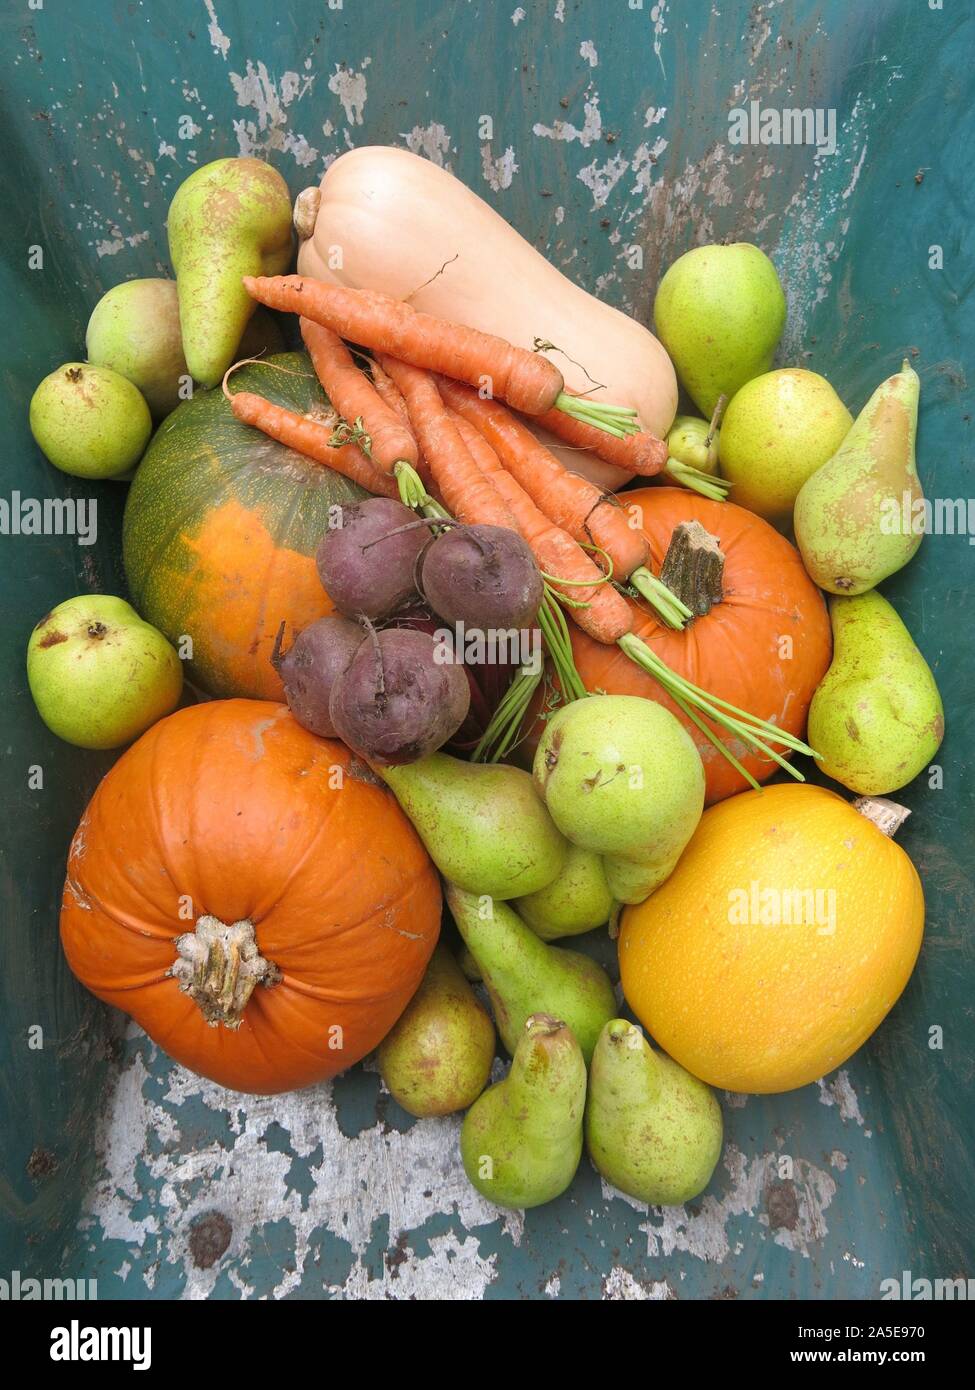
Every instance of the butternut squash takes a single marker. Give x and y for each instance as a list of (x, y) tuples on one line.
[(393, 219)]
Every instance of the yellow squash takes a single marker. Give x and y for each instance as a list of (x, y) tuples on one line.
[(783, 938)]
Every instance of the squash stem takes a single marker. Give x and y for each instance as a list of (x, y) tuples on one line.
[(219, 967)]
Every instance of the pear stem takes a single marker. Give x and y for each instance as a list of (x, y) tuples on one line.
[(693, 568), (887, 816)]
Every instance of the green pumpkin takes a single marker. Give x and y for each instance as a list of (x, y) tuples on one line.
[(221, 528)]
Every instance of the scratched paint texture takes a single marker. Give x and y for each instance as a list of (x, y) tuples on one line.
[(609, 131)]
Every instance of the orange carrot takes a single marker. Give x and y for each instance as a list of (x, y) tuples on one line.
[(310, 437), (641, 453), (528, 381), (607, 617), (466, 493), (571, 501), (355, 397), (390, 393)]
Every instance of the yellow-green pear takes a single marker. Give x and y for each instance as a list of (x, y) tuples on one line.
[(521, 1141), (523, 974), (90, 422), (134, 329), (99, 675), (719, 312), (437, 1057), (693, 442), (855, 518), (877, 719), (575, 902), (229, 219), (482, 824), (778, 429), (652, 1130)]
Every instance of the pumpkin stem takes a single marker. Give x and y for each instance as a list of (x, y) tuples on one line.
[(693, 568), (886, 815), (219, 967)]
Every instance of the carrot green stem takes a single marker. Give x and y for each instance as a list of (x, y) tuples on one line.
[(697, 480), (664, 602), (411, 490), (600, 414), (755, 733)]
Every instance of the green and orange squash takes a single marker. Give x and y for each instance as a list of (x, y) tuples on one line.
[(221, 528)]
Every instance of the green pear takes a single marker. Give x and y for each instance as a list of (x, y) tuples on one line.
[(778, 430), (482, 824), (99, 675), (437, 1057), (855, 517), (575, 902), (134, 329), (524, 975), (652, 1130), (620, 774), (521, 1142), (693, 442), (877, 719), (90, 421), (720, 312), (632, 878), (229, 219)]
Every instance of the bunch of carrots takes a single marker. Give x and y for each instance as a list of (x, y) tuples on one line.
[(417, 428)]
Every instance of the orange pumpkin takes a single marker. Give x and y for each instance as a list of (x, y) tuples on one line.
[(251, 896), (764, 647)]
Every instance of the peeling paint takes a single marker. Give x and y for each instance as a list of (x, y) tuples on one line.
[(498, 172), (587, 50), (840, 1093), (350, 88), (218, 39), (432, 141)]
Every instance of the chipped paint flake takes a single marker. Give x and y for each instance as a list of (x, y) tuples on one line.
[(498, 172), (270, 100), (840, 1093), (587, 50), (620, 1284), (559, 12), (350, 88), (432, 141), (590, 131), (218, 39), (518, 16)]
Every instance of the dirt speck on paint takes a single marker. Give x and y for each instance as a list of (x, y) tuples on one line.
[(209, 1238)]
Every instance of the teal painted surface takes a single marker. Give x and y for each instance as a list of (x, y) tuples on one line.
[(183, 1190)]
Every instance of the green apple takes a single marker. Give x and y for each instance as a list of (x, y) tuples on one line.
[(778, 430), (99, 675), (719, 312), (90, 421)]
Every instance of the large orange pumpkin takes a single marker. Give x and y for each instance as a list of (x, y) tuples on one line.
[(251, 896), (764, 647)]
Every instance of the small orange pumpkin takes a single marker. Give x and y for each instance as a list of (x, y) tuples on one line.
[(251, 896), (764, 647)]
